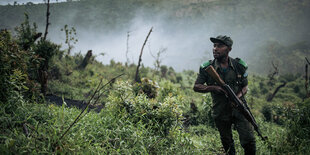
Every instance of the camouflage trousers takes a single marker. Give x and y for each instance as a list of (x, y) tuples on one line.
[(244, 129)]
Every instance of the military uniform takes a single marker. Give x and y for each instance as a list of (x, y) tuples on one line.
[(224, 114)]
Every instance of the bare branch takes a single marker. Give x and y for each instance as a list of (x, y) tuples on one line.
[(275, 72), (307, 60), (306, 82), (137, 78), (127, 47), (47, 19), (269, 99), (158, 58), (97, 90)]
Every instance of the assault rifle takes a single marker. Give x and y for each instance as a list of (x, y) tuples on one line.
[(237, 103)]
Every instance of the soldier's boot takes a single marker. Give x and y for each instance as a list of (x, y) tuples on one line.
[(249, 149)]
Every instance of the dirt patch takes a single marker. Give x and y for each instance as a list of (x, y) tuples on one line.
[(53, 99)]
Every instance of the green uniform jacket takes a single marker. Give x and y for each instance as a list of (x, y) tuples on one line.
[(235, 76)]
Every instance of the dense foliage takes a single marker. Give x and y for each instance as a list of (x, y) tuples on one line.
[(160, 115)]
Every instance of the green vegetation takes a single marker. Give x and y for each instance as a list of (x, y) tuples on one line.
[(160, 115)]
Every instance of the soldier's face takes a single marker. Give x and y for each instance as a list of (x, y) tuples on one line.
[(220, 50)]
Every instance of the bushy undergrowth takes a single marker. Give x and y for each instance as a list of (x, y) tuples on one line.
[(160, 115), (96, 133), (299, 129), (12, 69)]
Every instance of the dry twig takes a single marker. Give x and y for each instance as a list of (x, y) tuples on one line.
[(97, 90)]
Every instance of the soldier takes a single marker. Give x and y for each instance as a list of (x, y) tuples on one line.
[(233, 72)]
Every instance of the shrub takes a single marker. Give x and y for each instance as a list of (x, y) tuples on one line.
[(167, 88), (13, 67), (26, 35), (148, 87), (200, 114), (159, 117), (299, 126), (278, 112), (267, 112)]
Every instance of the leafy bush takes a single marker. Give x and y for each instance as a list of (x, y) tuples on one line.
[(148, 87), (159, 117), (14, 64), (46, 50), (277, 113), (200, 114), (299, 127), (167, 88), (26, 35), (267, 112)]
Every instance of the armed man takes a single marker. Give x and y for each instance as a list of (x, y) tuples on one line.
[(233, 73)]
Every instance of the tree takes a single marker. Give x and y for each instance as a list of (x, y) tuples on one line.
[(163, 70), (158, 58), (86, 59), (46, 50), (70, 37)]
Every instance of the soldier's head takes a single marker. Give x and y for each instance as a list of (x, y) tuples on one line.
[(221, 46)]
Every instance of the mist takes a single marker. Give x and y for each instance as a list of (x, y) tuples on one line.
[(5, 2), (249, 23)]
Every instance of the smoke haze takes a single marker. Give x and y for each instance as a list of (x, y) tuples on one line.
[(184, 28), (5, 2)]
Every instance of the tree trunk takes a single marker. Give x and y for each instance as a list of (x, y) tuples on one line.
[(47, 19), (307, 82), (86, 60)]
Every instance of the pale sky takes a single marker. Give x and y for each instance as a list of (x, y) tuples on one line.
[(5, 2)]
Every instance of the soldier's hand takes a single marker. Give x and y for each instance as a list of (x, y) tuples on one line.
[(219, 90)]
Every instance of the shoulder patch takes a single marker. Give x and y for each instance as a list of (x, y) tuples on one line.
[(242, 63), (205, 64)]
